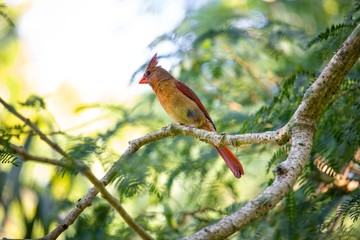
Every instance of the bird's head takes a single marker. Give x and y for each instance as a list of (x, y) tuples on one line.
[(150, 70), (154, 73)]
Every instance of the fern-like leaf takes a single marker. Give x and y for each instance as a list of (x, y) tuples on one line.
[(7, 157), (350, 207), (330, 32)]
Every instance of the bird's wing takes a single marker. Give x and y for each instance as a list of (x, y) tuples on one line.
[(190, 94)]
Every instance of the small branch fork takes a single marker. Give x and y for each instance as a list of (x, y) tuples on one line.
[(300, 130)]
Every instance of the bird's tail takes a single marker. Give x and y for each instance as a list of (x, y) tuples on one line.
[(231, 160)]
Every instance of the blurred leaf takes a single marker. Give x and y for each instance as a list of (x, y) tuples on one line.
[(35, 102)]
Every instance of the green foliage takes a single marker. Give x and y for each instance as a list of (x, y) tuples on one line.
[(279, 156), (8, 158), (290, 213), (95, 223), (331, 32), (251, 69), (351, 208), (83, 148), (35, 102), (339, 30), (5, 16)]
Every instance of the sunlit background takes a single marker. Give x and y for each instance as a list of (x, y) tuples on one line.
[(86, 51)]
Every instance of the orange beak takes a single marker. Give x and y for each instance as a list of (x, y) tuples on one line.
[(143, 80)]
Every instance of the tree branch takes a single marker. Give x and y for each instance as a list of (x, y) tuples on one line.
[(27, 156), (42, 136), (343, 93), (117, 205), (280, 136)]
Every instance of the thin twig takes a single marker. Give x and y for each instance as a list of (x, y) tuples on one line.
[(42, 136), (341, 94), (247, 68), (117, 205), (6, 17), (27, 156)]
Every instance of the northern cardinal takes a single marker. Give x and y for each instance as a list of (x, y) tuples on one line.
[(184, 107)]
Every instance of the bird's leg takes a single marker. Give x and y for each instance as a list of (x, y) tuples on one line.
[(171, 125)]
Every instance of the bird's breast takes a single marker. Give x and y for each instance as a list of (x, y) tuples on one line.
[(178, 106)]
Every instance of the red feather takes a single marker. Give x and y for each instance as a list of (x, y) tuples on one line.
[(153, 62), (231, 161), (190, 94)]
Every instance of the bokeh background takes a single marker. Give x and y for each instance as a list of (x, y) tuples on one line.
[(73, 66)]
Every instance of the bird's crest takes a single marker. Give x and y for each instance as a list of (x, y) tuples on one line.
[(153, 62)]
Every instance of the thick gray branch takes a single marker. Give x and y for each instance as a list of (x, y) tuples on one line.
[(302, 127), (320, 92), (286, 175)]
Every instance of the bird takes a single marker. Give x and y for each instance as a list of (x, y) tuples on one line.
[(184, 107)]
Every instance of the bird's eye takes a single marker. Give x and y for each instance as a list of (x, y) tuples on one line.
[(147, 73)]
